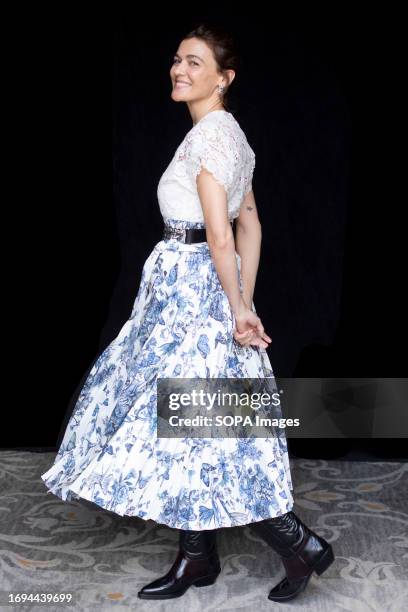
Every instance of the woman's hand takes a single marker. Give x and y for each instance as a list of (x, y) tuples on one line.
[(249, 329)]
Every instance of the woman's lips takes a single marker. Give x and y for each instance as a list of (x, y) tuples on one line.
[(181, 85)]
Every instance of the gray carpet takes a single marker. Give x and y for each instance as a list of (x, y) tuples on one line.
[(103, 559)]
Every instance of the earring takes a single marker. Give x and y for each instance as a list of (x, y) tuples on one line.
[(221, 89)]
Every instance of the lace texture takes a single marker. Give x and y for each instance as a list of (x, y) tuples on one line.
[(217, 144), (216, 149)]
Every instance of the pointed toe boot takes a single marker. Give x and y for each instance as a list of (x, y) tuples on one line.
[(197, 563), (302, 552)]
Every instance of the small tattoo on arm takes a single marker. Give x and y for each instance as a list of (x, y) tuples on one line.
[(249, 207)]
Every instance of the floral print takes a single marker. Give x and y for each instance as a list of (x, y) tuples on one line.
[(180, 326)]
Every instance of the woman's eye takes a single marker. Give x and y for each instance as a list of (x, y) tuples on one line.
[(175, 60)]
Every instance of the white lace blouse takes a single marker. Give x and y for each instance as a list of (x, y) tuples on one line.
[(217, 143)]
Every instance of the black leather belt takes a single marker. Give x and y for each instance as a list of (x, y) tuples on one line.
[(188, 235)]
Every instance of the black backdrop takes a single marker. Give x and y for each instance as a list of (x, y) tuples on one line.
[(92, 127)]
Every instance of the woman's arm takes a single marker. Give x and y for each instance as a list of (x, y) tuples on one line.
[(248, 237), (221, 243), (220, 237)]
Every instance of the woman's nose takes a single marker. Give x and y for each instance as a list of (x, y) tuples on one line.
[(179, 74)]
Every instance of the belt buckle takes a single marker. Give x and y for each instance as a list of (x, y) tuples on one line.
[(174, 232)]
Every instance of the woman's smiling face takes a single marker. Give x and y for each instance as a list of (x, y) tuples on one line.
[(194, 73)]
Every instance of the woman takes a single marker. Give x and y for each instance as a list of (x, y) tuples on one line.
[(193, 317)]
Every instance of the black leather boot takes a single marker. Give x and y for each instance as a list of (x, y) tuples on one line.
[(197, 563), (301, 550)]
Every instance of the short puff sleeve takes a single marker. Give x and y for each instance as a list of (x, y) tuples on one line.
[(213, 145), (249, 171)]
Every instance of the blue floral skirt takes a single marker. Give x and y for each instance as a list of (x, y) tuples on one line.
[(181, 325)]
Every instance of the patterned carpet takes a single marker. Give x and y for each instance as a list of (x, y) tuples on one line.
[(103, 559)]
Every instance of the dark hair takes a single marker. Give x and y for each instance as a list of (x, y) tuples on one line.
[(223, 47)]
